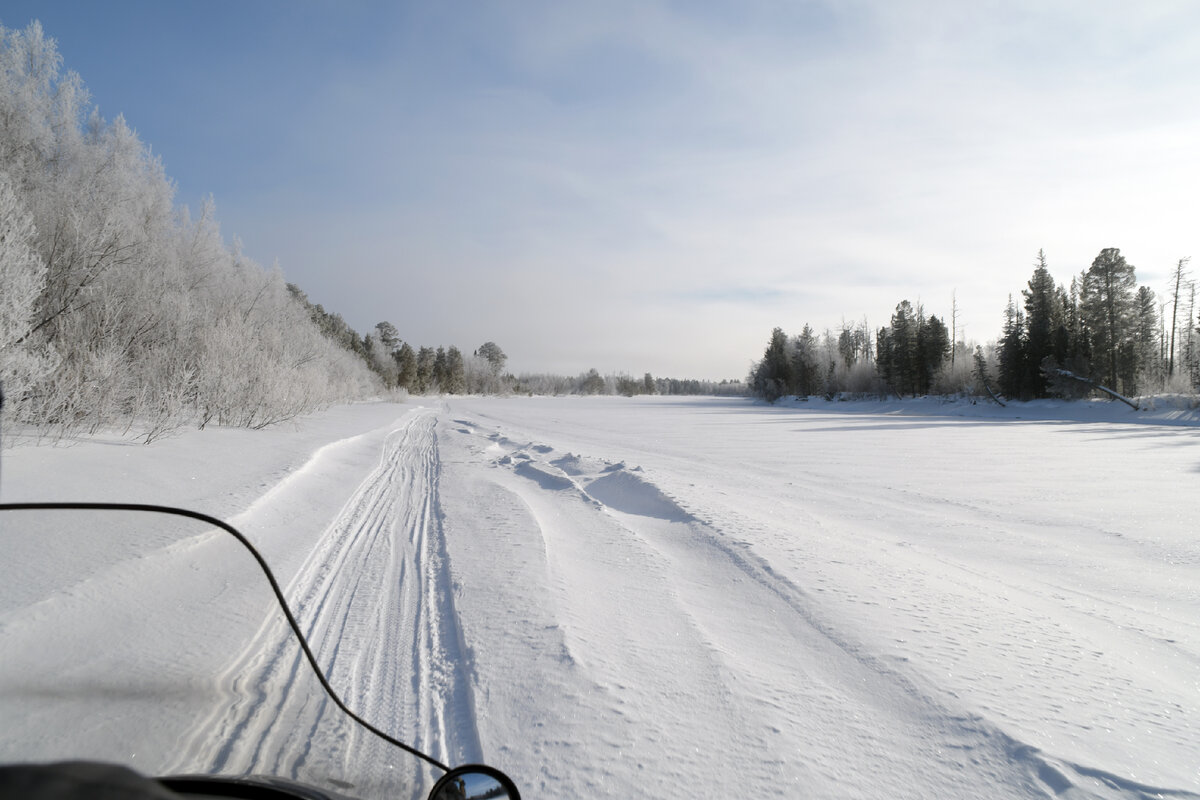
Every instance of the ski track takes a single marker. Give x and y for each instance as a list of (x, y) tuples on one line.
[(373, 598)]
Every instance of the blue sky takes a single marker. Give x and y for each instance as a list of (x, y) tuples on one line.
[(653, 186)]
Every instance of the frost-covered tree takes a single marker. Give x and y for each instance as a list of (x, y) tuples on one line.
[(1178, 282), (592, 383), (387, 335), (331, 324), (40, 110), (133, 313), (381, 358), (491, 352), (853, 344), (25, 357), (22, 273)]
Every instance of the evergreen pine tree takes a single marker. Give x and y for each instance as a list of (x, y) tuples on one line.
[(440, 372), (592, 382), (933, 343), (1044, 328), (1012, 352), (406, 368), (455, 381), (896, 351), (847, 348), (425, 378), (807, 368), (1146, 369), (1108, 309), (387, 334), (883, 358), (772, 377)]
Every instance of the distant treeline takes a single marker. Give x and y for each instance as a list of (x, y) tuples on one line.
[(592, 382), (446, 370), (1060, 342)]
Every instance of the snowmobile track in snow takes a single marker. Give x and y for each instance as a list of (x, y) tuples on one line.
[(374, 599)]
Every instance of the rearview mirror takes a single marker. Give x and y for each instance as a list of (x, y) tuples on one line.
[(475, 782)]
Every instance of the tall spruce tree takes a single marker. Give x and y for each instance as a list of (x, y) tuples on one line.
[(1108, 309), (933, 345), (425, 376), (455, 379), (1146, 367), (1080, 341), (406, 367), (1012, 352), (772, 378), (439, 369), (1045, 329), (806, 363), (896, 350)]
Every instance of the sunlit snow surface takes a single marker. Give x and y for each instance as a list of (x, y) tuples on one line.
[(661, 597)]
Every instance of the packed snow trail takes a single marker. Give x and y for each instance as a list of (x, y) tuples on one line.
[(373, 597)]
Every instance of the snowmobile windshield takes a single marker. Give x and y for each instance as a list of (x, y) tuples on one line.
[(155, 641)]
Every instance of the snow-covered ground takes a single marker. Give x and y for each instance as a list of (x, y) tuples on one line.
[(667, 597)]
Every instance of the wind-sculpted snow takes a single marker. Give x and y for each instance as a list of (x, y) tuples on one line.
[(623, 491), (802, 605), (544, 475)]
